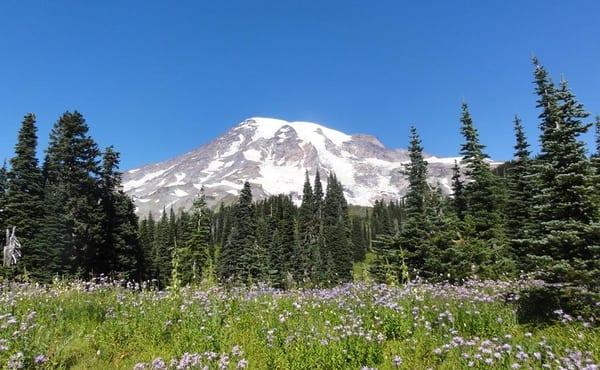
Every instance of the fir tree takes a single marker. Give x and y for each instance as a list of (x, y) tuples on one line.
[(483, 224), (198, 259), (318, 195), (458, 192), (520, 190), (566, 210), (121, 250), (381, 223), (359, 241), (71, 166), (238, 259), (3, 189), (336, 230), (306, 254), (413, 237), (162, 251), (55, 237), (23, 206)]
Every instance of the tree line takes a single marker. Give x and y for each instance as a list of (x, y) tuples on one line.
[(71, 215), (536, 214)]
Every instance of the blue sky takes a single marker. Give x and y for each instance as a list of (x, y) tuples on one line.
[(158, 78)]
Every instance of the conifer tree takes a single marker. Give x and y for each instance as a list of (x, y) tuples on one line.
[(306, 254), (483, 225), (336, 231), (483, 193), (23, 206), (458, 196), (55, 238), (198, 259), (147, 241), (162, 257), (239, 257), (596, 155), (414, 233), (359, 241), (3, 189), (71, 166), (381, 223), (566, 210), (520, 191), (318, 195), (121, 251)]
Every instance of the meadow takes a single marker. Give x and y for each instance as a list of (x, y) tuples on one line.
[(113, 325)]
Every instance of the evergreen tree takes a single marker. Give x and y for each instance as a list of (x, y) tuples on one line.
[(381, 223), (458, 191), (318, 195), (55, 237), (336, 231), (483, 224), (121, 250), (359, 241), (3, 189), (566, 212), (520, 190), (306, 255), (240, 257), (413, 237), (596, 155), (198, 259), (483, 193), (146, 241), (24, 200), (162, 251), (71, 166)]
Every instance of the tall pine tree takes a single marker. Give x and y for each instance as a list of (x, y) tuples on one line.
[(24, 200), (566, 212), (483, 225), (519, 201), (71, 166), (415, 231), (337, 244)]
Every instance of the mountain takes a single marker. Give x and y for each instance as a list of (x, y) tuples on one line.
[(273, 156)]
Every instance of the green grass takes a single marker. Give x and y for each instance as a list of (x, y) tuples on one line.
[(426, 326)]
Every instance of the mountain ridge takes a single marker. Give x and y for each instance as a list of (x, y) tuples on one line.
[(274, 155)]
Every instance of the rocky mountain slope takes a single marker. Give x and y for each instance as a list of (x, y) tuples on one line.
[(273, 155)]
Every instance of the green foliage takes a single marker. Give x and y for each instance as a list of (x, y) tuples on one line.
[(336, 232), (566, 232), (519, 204), (3, 189), (547, 304), (240, 258), (23, 205), (197, 256), (418, 326)]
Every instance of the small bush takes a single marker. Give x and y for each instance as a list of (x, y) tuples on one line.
[(543, 305)]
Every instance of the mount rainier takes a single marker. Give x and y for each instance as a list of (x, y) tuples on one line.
[(273, 155)]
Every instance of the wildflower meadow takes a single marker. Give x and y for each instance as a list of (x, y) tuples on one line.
[(113, 325)]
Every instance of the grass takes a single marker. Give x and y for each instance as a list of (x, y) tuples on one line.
[(418, 326)]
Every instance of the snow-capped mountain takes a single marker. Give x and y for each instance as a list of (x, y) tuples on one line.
[(273, 155)]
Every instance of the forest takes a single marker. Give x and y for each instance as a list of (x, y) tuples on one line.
[(536, 215)]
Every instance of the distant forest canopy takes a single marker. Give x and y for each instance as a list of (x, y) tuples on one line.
[(536, 214)]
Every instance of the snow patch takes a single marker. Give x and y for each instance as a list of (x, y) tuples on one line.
[(132, 184), (180, 193), (178, 179), (253, 155)]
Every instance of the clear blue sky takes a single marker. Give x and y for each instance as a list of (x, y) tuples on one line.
[(157, 79)]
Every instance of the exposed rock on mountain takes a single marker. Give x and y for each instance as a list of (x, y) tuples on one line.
[(273, 156)]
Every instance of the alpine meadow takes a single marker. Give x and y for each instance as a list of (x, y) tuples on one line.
[(292, 244)]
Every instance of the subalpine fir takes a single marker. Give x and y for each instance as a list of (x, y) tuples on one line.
[(23, 204)]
